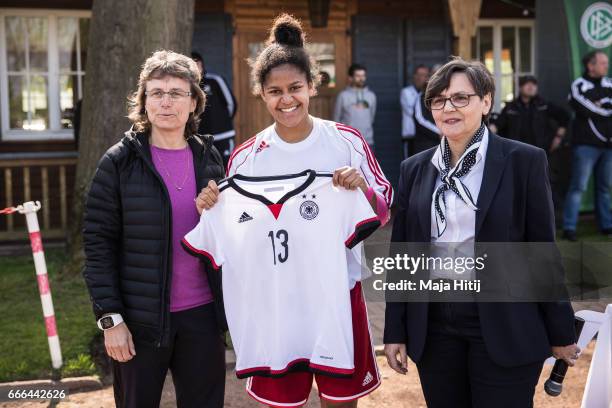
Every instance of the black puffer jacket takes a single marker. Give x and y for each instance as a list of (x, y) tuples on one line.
[(126, 236)]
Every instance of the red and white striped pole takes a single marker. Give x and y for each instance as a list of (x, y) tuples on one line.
[(29, 209)]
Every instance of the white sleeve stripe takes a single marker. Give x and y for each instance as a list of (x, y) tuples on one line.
[(372, 164), (597, 133), (418, 114), (226, 92), (371, 161), (234, 153), (365, 145), (242, 147), (361, 154), (246, 155), (377, 178), (239, 149), (224, 135), (376, 170), (578, 97)]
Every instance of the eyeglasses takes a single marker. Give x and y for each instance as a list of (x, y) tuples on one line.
[(457, 100), (175, 95)]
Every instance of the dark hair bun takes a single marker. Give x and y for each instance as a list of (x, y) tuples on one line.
[(287, 30)]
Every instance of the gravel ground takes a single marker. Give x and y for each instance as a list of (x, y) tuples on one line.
[(396, 391)]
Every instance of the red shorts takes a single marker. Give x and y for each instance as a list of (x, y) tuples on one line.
[(292, 390)]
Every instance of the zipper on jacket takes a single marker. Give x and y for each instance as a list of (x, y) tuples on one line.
[(166, 284), (168, 229)]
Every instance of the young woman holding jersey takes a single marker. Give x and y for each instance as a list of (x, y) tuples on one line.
[(285, 77)]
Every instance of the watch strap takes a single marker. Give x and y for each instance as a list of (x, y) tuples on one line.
[(115, 317)]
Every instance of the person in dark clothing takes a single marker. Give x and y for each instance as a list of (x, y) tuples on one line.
[(159, 307), (531, 119), (217, 118), (474, 187), (427, 134), (591, 99)]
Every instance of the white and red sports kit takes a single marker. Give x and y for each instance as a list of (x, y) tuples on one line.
[(329, 146), (287, 301)]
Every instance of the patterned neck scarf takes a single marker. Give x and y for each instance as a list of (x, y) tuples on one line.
[(451, 177)]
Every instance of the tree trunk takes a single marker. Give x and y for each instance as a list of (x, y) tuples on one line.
[(122, 35)]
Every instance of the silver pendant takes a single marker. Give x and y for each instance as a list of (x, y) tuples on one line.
[(179, 188)]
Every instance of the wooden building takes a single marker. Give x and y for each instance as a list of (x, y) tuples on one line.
[(43, 51)]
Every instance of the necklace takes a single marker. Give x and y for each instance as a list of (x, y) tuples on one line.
[(163, 166)]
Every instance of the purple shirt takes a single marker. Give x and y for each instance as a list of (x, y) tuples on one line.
[(189, 287)]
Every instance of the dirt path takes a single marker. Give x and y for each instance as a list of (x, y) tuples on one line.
[(396, 391)]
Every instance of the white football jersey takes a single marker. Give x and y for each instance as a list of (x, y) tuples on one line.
[(329, 146), (281, 241)]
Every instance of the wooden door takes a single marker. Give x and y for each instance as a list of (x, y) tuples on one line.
[(331, 48)]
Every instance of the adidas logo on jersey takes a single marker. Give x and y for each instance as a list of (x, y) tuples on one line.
[(262, 146), (368, 379), (244, 217)]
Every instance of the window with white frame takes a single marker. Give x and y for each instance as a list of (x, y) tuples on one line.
[(506, 47), (42, 68)]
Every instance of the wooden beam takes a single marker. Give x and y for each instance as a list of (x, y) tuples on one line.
[(464, 15), (68, 161)]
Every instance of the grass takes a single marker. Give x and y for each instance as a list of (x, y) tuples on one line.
[(24, 351)]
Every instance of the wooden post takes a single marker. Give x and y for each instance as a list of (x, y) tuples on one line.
[(8, 191), (63, 197), (464, 15), (44, 174), (26, 184)]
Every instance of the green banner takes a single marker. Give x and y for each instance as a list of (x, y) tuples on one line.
[(590, 28)]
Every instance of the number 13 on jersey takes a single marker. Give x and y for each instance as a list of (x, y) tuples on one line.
[(283, 239)]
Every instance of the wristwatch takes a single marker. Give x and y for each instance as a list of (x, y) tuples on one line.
[(109, 321)]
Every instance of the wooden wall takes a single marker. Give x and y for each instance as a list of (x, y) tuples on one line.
[(52, 4), (258, 14), (38, 146), (252, 20)]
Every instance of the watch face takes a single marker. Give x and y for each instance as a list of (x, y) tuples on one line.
[(107, 322)]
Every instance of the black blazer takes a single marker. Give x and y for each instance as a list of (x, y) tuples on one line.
[(515, 205)]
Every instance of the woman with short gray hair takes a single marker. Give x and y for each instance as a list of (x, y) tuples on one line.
[(159, 307), (475, 187)]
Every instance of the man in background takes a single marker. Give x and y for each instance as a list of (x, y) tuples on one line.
[(356, 105), (218, 115), (531, 119), (591, 99), (409, 97)]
